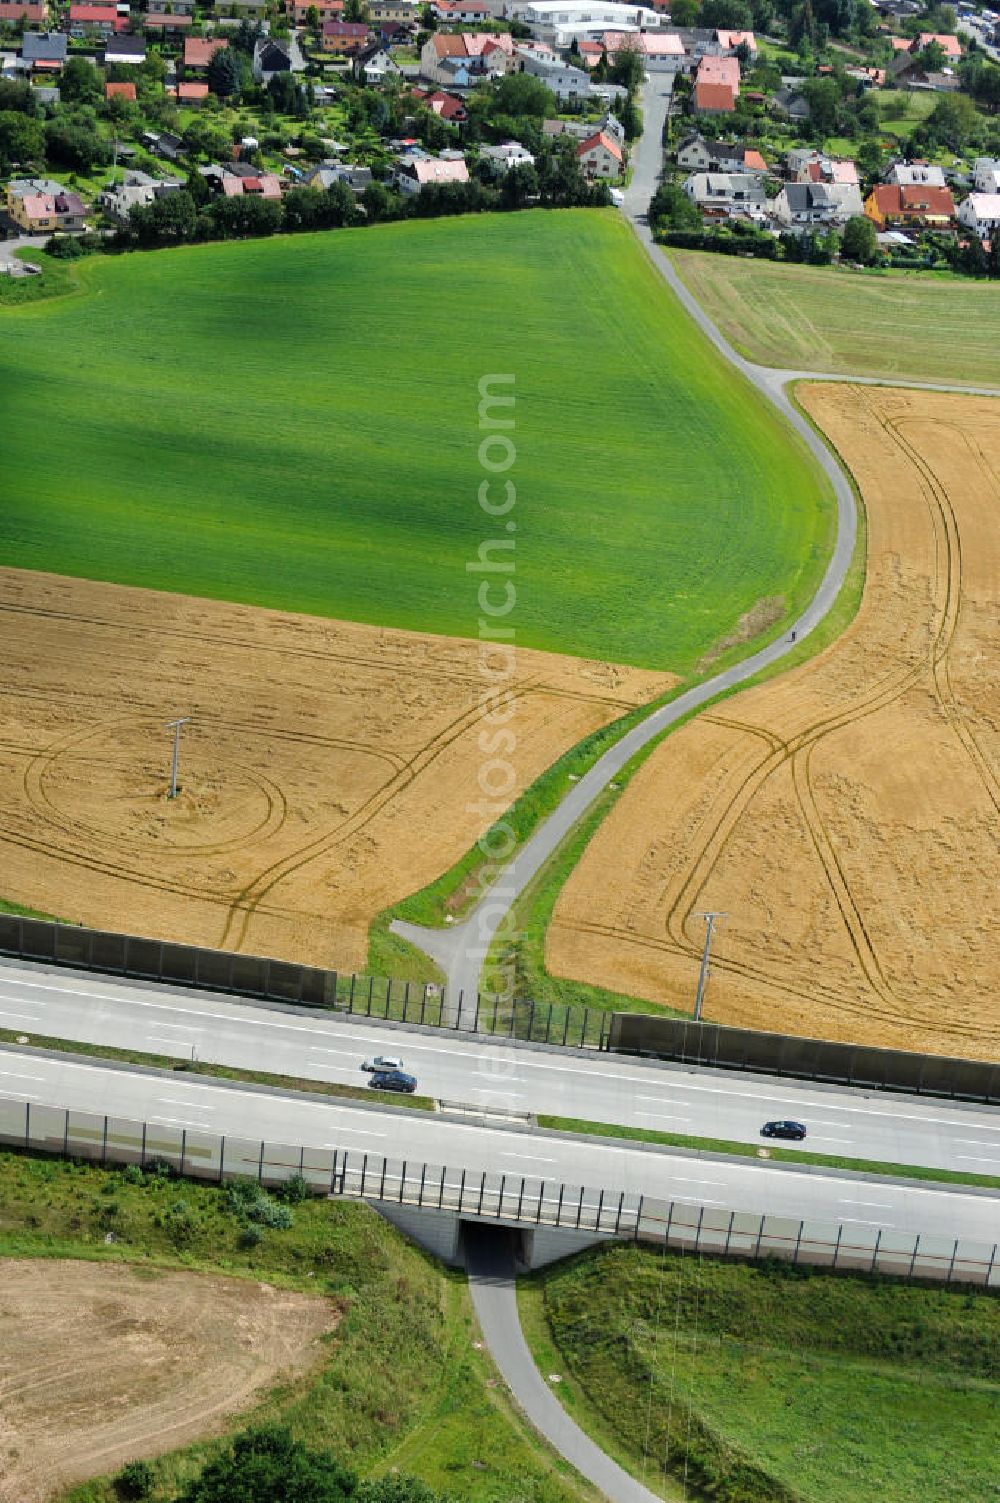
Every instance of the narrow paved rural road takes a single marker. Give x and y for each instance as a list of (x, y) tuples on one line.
[(460, 950), (491, 1281)]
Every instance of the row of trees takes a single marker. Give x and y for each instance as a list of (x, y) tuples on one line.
[(191, 213)]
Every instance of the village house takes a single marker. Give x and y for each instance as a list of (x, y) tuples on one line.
[(802, 206), (190, 91), (461, 12), (721, 194), (915, 175), (662, 51), (167, 24), (44, 51), (374, 63), (345, 37), (806, 165), (790, 103), (565, 81), (175, 7), (138, 188), (697, 153), (96, 20), (980, 213), (326, 174), (28, 13), (269, 59), (123, 48), (403, 11), (507, 155), (560, 22), (986, 174), (41, 206), (328, 10), (240, 179), (889, 204), (457, 60), (413, 174), (199, 51), (124, 91), (713, 99), (736, 41), (447, 107), (600, 156)]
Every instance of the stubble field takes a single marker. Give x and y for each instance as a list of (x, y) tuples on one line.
[(843, 816), (328, 768), (105, 1363)]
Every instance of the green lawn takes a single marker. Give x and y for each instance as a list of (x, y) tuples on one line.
[(402, 1383), (293, 423), (773, 1384), (900, 324)]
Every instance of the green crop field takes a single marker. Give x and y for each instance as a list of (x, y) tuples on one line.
[(774, 1384), (900, 324), (294, 423)]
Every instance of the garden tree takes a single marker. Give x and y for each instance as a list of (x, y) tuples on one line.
[(762, 15), (356, 10), (560, 180), (726, 13), (267, 1465), (932, 58), (870, 158), (202, 138), (21, 138), (519, 185), (428, 19), (246, 37), (17, 96), (225, 74), (80, 82), (236, 218), (684, 13), (823, 95), (522, 94), (72, 142), (168, 219), (288, 96), (631, 119), (379, 203), (982, 80), (953, 122), (312, 18), (670, 208), (627, 68), (155, 67), (802, 28), (860, 241)]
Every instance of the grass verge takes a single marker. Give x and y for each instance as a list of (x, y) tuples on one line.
[(780, 1155), (768, 1383), (220, 1072), (402, 1376)]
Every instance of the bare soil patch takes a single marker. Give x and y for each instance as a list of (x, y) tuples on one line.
[(105, 1363), (329, 769), (845, 815)]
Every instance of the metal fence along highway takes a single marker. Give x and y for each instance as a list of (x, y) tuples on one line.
[(676, 1039), (510, 1199)]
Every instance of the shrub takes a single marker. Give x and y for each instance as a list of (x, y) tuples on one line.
[(295, 1190), (135, 1480)]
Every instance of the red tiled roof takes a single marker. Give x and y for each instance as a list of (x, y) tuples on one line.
[(167, 23), (119, 91), (198, 51), (192, 91), (10, 11), (93, 13), (913, 201), (599, 139), (717, 97)]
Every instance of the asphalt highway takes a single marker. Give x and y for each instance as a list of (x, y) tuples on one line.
[(494, 1077)]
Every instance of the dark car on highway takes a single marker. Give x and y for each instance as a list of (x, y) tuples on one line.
[(783, 1130), (393, 1080)]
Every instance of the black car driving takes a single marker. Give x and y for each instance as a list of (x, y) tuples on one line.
[(794, 1130), (393, 1080)]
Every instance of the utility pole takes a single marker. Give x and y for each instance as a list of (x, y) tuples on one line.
[(176, 725), (710, 919)]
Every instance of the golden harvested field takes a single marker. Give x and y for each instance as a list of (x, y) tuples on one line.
[(329, 769), (107, 1363), (845, 815)]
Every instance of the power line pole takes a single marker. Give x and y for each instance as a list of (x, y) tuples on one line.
[(710, 919), (176, 725)]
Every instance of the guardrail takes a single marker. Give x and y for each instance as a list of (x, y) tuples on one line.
[(518, 1200), (383, 998)]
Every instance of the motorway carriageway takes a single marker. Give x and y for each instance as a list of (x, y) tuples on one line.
[(37, 1001)]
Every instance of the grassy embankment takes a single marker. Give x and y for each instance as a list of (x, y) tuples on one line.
[(402, 1382), (773, 1384)]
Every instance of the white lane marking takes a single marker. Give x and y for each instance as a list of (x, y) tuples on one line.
[(23, 1017), (602, 1073), (528, 1158), (976, 1143), (860, 1221), (970, 1158), (826, 1139), (18, 1075), (878, 1205)]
